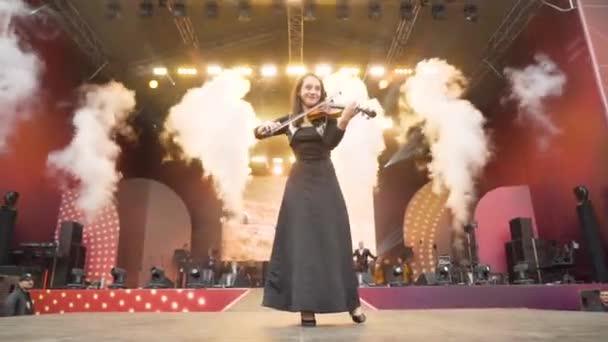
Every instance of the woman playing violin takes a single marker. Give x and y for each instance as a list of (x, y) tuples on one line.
[(310, 268)]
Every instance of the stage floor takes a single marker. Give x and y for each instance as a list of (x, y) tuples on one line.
[(411, 325)]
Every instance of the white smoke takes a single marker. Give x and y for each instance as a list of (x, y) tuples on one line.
[(91, 155), (215, 125), (530, 86), (19, 72), (356, 157), (454, 129)]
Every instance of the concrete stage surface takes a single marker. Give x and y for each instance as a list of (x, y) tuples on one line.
[(248, 321)]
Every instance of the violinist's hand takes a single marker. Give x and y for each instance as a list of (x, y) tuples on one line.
[(266, 127), (350, 110)]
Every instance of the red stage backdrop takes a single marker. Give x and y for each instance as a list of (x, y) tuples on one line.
[(576, 156)]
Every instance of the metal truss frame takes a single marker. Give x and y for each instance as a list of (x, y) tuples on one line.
[(402, 35), (295, 28)]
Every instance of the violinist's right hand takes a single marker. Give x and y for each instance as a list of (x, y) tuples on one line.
[(267, 127)]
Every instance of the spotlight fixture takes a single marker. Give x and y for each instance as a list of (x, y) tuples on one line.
[(158, 279), (212, 9), (581, 193), (179, 8), (309, 9), (406, 10), (438, 10), (77, 279), (470, 12), (482, 274), (10, 200), (342, 10), (374, 9), (146, 8), (195, 279), (113, 9), (119, 276), (244, 10)]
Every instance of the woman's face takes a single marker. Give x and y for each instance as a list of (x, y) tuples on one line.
[(310, 93)]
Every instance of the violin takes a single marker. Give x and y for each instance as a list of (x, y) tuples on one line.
[(327, 108)]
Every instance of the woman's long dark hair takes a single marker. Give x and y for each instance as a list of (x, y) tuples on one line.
[(296, 101)]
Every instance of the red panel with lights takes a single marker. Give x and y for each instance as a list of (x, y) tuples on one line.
[(136, 300)]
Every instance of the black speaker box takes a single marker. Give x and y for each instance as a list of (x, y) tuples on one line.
[(69, 234), (63, 268), (521, 228), (8, 218)]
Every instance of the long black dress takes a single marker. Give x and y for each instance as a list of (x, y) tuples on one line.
[(311, 267)]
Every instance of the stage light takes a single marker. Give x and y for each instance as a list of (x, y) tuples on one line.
[(277, 160), (187, 71), (77, 279), (113, 9), (277, 170), (179, 8), (350, 71), (146, 8), (10, 200), (259, 159), (581, 193), (374, 9), (470, 12), (481, 274), (243, 71), (269, 70), (212, 9), (342, 10), (376, 71), (158, 279), (119, 276), (323, 70), (406, 10), (403, 71), (383, 84), (153, 84), (438, 10), (244, 10), (195, 279), (309, 10), (214, 70), (292, 159), (297, 70), (159, 71)]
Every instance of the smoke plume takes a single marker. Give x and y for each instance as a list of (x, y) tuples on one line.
[(454, 129), (19, 72), (90, 158), (356, 157), (529, 87), (215, 125)]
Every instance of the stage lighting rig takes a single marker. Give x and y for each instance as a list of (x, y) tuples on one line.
[(438, 10), (146, 8), (77, 279), (342, 10), (375, 10), (406, 9), (158, 279), (119, 276), (443, 270), (481, 274), (10, 200), (195, 279), (113, 9), (179, 8), (471, 13), (212, 9), (244, 10), (309, 10)]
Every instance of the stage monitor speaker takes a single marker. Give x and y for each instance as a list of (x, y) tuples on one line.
[(591, 232), (8, 218), (69, 234), (521, 228), (63, 268), (591, 300), (426, 279)]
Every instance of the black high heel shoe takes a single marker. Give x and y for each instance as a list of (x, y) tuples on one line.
[(360, 318), (309, 322)]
